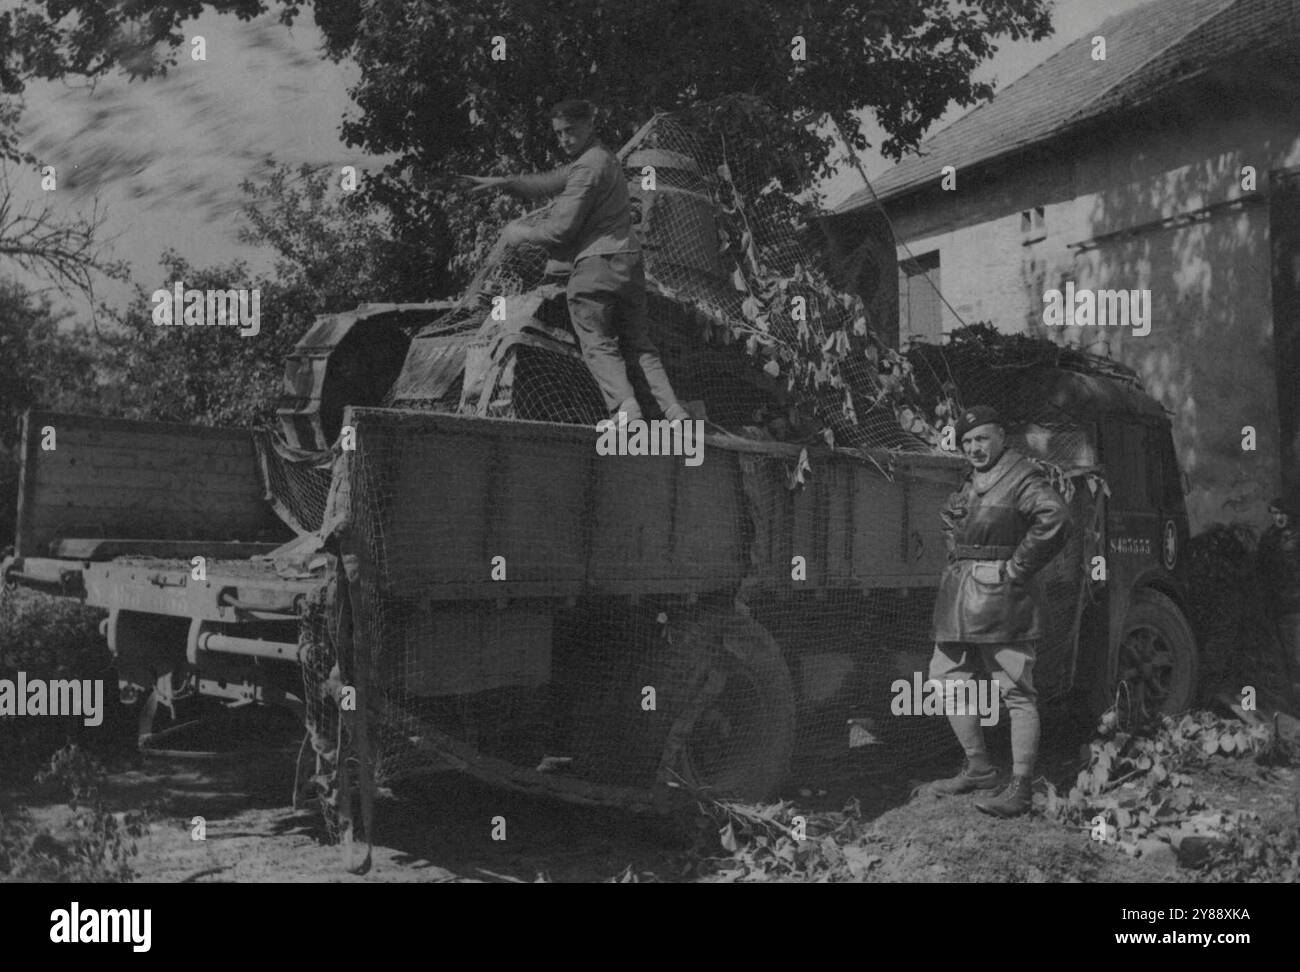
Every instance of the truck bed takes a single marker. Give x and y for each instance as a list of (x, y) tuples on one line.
[(435, 502)]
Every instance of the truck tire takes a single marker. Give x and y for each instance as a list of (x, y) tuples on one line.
[(734, 736), (1155, 658)]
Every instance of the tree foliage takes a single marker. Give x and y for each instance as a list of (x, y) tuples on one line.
[(431, 87), (213, 376), (55, 40), (432, 92), (334, 249), (69, 252), (42, 365), (446, 88), (52, 39), (449, 87), (333, 253)]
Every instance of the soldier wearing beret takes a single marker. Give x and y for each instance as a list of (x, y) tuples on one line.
[(1002, 526)]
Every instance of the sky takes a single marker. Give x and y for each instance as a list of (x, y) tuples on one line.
[(165, 158)]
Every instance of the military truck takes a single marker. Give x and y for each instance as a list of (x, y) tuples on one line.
[(431, 562), (516, 594)]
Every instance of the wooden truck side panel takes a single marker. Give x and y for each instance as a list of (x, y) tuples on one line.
[(439, 498), (117, 478)]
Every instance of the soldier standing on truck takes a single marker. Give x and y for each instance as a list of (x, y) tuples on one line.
[(590, 225), (1002, 526), (1278, 562)]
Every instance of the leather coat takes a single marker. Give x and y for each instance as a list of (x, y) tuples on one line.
[(1001, 528)]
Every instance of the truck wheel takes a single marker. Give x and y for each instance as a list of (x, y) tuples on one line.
[(1155, 665), (734, 736)]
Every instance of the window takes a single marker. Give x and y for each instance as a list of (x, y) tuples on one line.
[(1137, 463), (1128, 466), (920, 310), (1033, 224), (1169, 486)]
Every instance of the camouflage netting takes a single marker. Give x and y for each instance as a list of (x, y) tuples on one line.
[(623, 574)]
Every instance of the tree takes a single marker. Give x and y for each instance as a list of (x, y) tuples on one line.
[(41, 366), (335, 250), (454, 88), (450, 90), (52, 39), (67, 251), (333, 253), (59, 39), (215, 375), (41, 363)]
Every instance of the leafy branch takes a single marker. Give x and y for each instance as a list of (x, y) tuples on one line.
[(801, 327)]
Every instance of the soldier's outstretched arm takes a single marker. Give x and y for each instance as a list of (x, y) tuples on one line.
[(1049, 528), (539, 185), (530, 185)]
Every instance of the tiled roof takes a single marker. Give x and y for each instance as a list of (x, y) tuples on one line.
[(1148, 50)]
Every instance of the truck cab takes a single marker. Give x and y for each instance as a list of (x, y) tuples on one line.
[(1138, 652)]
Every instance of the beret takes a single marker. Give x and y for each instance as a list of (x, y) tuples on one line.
[(974, 417)]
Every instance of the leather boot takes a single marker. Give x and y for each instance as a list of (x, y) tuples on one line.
[(1016, 798), (968, 781)]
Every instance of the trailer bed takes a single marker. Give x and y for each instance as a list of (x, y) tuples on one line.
[(164, 586)]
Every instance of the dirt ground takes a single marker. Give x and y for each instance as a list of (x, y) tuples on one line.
[(439, 829)]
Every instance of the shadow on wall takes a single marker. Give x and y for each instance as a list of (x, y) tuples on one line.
[(1209, 355)]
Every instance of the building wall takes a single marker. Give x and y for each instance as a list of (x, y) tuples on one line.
[(1209, 356)]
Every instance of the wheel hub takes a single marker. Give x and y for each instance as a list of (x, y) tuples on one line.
[(1146, 669)]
